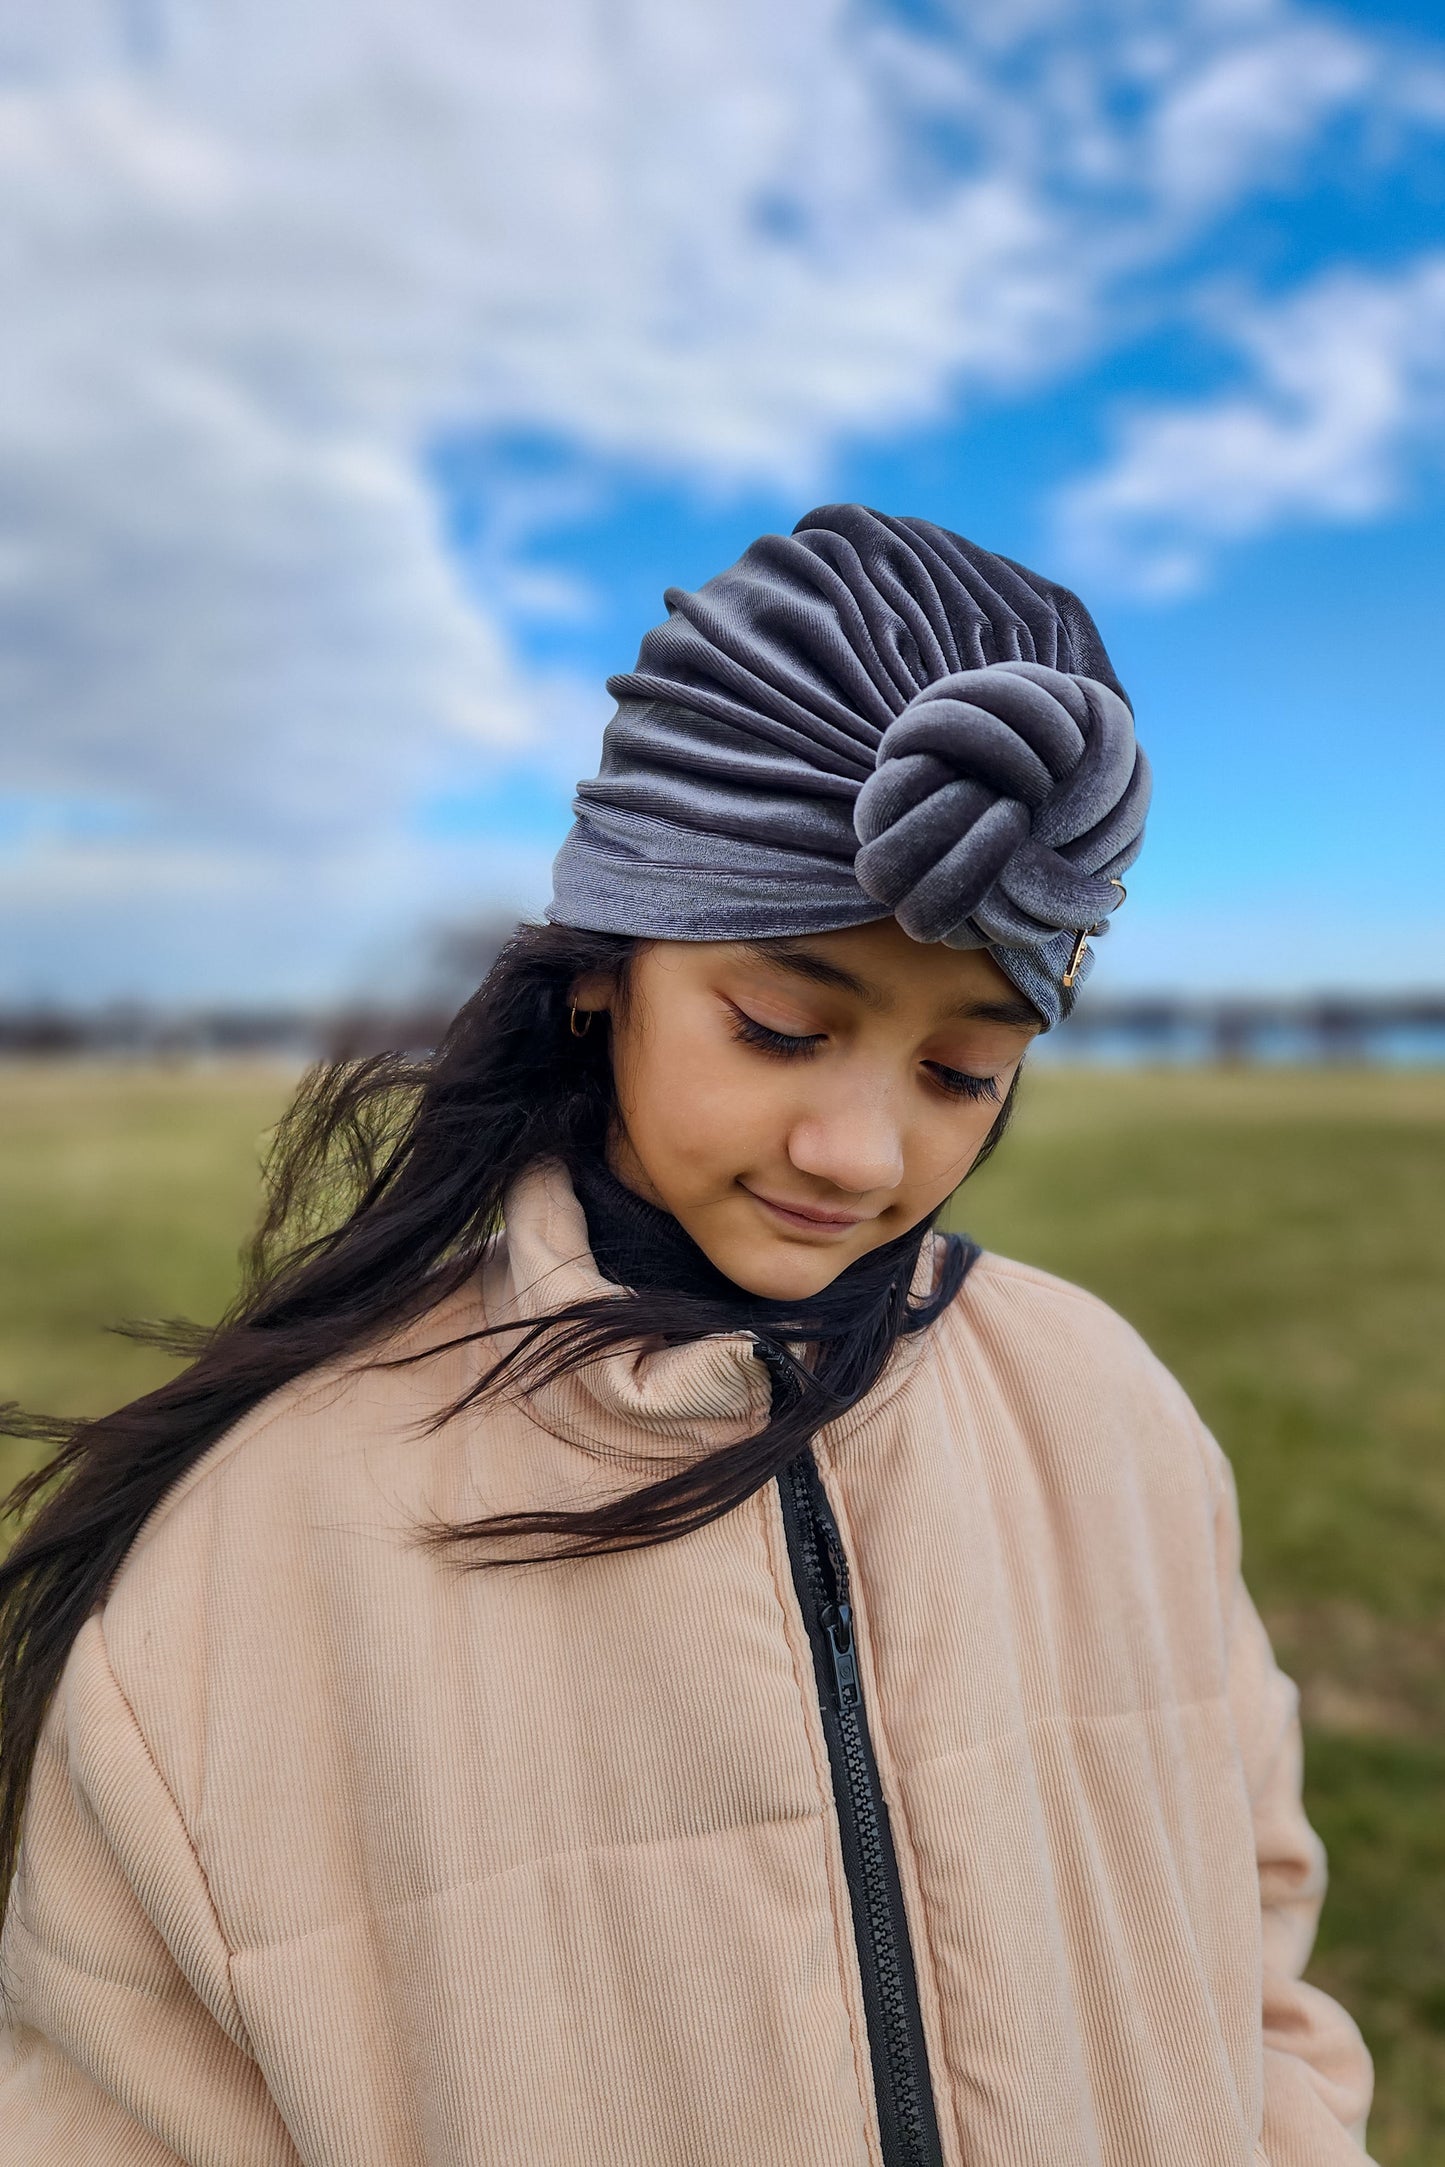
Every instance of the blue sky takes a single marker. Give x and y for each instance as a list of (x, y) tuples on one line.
[(380, 369)]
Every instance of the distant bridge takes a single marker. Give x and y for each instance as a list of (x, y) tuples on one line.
[(1236, 1028), (1231, 1028)]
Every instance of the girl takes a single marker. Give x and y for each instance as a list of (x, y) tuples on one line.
[(627, 1646)]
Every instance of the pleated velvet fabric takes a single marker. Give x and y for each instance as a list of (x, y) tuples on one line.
[(869, 716), (339, 1854)]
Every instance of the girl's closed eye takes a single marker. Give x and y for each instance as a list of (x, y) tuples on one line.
[(801, 1045), (786, 1045), (959, 1083)]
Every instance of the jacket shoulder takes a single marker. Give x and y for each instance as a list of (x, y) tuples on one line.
[(309, 1509), (1027, 1290), (1029, 1300), (313, 1429), (343, 1457), (1068, 1362)]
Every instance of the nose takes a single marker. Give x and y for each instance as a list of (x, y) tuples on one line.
[(855, 1145)]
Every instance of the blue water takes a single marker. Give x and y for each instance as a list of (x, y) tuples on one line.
[(1188, 1045)]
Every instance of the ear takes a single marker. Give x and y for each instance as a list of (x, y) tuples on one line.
[(594, 991)]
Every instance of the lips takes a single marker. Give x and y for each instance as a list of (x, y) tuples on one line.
[(810, 1217)]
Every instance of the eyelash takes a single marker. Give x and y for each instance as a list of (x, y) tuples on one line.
[(780, 1043), (785, 1047)]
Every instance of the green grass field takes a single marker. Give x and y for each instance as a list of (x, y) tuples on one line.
[(1279, 1238)]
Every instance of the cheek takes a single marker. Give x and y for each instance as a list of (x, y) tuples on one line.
[(944, 1147), (689, 1101)]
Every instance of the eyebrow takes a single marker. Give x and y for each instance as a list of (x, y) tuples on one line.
[(1020, 1012), (807, 963), (820, 971)]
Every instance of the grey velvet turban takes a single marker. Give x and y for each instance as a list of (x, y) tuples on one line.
[(868, 717)]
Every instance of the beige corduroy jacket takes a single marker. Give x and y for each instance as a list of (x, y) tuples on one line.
[(338, 1854)]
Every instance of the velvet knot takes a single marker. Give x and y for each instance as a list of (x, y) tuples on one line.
[(1004, 803)]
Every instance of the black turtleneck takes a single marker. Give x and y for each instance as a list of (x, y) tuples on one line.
[(636, 1244), (853, 1321)]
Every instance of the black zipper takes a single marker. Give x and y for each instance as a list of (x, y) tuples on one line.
[(903, 2088)]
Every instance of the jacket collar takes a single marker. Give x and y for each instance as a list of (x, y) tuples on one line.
[(641, 1406)]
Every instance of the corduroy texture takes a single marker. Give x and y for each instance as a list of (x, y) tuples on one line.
[(337, 1854), (866, 681)]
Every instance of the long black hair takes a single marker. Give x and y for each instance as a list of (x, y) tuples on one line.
[(384, 1186)]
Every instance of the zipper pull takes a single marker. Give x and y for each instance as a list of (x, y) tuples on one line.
[(836, 1620), (781, 1369), (770, 1354)]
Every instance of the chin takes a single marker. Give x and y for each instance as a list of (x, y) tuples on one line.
[(782, 1272)]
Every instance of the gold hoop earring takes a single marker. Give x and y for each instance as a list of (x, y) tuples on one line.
[(587, 1015)]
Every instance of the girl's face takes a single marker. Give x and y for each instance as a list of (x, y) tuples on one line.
[(796, 1103)]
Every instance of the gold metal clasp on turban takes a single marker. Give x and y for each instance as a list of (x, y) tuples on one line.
[(1078, 955), (1083, 940)]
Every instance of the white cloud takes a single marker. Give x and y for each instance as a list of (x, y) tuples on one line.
[(1251, 105), (258, 260), (102, 922), (1344, 383)]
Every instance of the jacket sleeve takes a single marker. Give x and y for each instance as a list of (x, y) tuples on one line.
[(1318, 2077), (121, 2038)]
